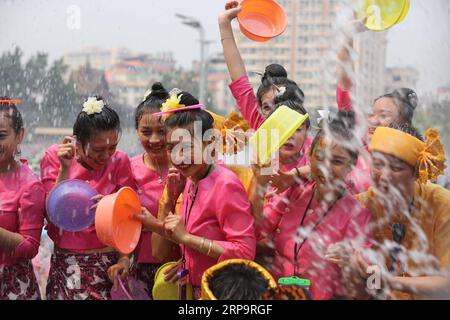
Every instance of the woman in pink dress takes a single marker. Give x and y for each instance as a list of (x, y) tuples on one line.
[(396, 107), (80, 260), (275, 89), (150, 173), (313, 221), (21, 211), (211, 228)]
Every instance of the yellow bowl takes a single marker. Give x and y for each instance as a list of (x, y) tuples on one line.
[(275, 131), (163, 290), (381, 14), (405, 11)]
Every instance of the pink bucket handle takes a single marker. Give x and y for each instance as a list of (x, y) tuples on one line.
[(124, 289)]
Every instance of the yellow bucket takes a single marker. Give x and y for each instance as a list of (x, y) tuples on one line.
[(382, 14), (275, 131), (405, 11), (163, 290)]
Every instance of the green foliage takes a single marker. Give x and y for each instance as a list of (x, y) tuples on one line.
[(187, 81), (47, 99)]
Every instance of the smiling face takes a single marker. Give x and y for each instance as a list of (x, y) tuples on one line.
[(392, 177), (384, 113), (99, 149), (152, 135), (186, 151), (330, 165), (9, 140)]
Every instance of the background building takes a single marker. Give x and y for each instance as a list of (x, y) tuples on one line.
[(98, 58), (128, 75), (131, 77), (401, 78), (218, 81), (443, 95), (308, 50)]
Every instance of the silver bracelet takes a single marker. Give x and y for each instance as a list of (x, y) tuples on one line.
[(201, 244), (210, 247)]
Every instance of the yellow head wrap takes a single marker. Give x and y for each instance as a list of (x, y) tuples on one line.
[(209, 274), (428, 158)]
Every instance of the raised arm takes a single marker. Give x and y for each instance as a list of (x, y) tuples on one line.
[(345, 68), (233, 59), (344, 63)]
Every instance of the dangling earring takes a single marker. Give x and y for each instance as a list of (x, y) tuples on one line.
[(18, 153), (77, 154)]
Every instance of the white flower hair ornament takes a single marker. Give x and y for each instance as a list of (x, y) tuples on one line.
[(92, 105), (324, 115), (281, 91), (146, 95)]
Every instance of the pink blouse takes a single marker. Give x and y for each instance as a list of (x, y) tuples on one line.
[(246, 101), (359, 179), (343, 100), (150, 190), (220, 212), (22, 199), (115, 174), (346, 221)]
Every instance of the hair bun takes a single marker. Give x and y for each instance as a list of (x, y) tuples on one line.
[(413, 99), (408, 95), (158, 91), (274, 71), (188, 99)]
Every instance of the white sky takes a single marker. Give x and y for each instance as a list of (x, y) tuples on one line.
[(421, 41)]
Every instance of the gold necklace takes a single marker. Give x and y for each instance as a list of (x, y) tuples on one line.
[(155, 164)]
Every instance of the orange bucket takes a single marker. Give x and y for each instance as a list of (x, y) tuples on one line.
[(261, 20), (114, 223)]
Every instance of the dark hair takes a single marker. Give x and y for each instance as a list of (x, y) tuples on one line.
[(238, 282), (9, 110), (292, 92), (152, 102), (86, 125), (188, 117), (276, 75), (406, 101), (294, 105), (409, 129), (341, 129), (274, 70), (348, 117)]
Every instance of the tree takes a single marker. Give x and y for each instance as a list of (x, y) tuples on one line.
[(186, 81), (47, 100), (59, 104)]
